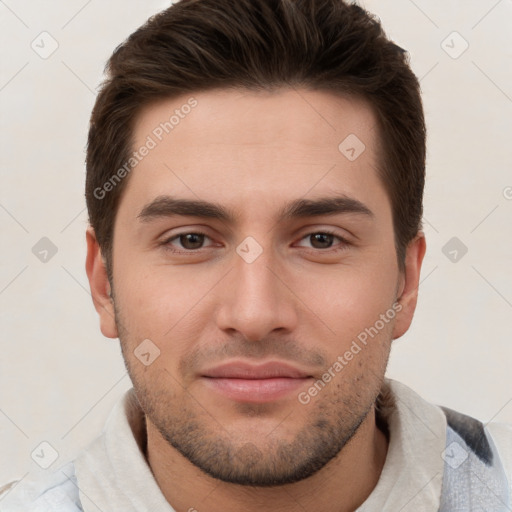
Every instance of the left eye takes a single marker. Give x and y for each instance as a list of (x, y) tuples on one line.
[(322, 239)]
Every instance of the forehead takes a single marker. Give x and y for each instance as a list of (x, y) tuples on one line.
[(255, 147), (285, 117)]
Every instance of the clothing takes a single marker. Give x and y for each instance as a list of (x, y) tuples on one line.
[(438, 460)]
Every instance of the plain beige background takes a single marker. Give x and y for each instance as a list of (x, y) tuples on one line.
[(59, 377)]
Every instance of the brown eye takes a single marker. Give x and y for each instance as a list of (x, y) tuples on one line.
[(324, 241), (321, 240), (190, 242)]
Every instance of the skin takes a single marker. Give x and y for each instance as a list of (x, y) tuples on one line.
[(302, 301)]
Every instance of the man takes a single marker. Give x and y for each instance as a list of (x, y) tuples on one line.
[(255, 173)]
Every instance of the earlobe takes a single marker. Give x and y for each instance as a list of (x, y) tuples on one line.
[(408, 296), (100, 286)]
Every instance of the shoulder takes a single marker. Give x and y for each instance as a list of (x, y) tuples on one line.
[(48, 492), (478, 462), (501, 434), (484, 440), (476, 457)]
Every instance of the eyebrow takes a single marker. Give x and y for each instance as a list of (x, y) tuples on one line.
[(168, 206)]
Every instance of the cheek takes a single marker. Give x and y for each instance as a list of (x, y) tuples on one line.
[(351, 299), (162, 304)]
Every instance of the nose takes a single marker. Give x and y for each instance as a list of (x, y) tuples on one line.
[(256, 299)]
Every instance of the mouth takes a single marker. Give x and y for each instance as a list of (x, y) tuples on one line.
[(251, 383)]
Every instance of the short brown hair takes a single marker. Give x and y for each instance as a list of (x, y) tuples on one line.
[(196, 45)]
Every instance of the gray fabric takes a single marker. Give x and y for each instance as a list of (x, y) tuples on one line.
[(474, 479)]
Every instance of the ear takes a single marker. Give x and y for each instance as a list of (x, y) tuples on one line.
[(410, 278), (100, 286)]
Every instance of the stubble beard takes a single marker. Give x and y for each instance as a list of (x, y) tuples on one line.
[(191, 429)]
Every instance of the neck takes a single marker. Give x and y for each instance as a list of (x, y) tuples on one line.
[(342, 485)]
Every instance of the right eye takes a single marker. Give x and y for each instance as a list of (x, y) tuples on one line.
[(189, 241)]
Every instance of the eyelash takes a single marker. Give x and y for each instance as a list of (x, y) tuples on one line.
[(344, 242)]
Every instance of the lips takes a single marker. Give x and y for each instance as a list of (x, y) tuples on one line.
[(245, 382), (247, 371)]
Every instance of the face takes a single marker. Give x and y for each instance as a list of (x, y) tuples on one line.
[(256, 287)]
